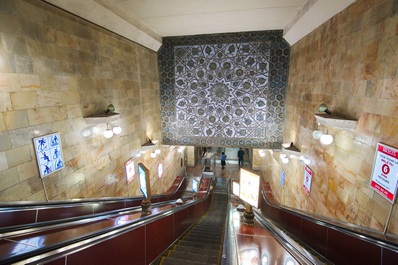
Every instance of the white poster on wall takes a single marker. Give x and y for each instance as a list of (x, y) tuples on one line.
[(130, 169), (385, 172), (307, 179), (249, 187), (49, 155)]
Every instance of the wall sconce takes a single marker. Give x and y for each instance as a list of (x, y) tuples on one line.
[(261, 153), (305, 160), (110, 108), (153, 154), (284, 158), (324, 108), (103, 118), (157, 151), (108, 133), (324, 138)]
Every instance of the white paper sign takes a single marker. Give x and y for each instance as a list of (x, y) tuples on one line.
[(385, 172), (130, 170), (307, 179), (249, 187), (49, 156)]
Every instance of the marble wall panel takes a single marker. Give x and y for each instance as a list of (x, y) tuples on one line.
[(350, 64)]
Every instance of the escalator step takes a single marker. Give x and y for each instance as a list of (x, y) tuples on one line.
[(204, 234), (201, 251), (173, 261), (194, 257), (202, 240), (199, 245)]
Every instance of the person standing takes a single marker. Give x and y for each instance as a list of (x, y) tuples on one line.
[(223, 158), (240, 156)]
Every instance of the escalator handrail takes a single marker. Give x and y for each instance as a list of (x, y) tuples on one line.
[(16, 206), (10, 230), (382, 242), (82, 242)]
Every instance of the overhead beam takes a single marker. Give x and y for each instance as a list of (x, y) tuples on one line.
[(313, 14), (98, 13)]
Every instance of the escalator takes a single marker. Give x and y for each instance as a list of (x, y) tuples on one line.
[(202, 244)]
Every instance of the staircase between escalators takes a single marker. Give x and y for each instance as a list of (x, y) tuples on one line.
[(202, 244)]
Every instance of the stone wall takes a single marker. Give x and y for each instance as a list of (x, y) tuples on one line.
[(351, 64), (56, 69)]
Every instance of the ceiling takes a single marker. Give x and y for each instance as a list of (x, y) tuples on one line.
[(147, 21)]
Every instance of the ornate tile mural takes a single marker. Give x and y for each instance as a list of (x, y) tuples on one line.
[(224, 90)]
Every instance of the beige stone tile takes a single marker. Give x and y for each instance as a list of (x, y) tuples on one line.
[(24, 100), (2, 124), (39, 116), (5, 141), (74, 111), (5, 102), (37, 196), (3, 161), (16, 119), (18, 156), (29, 82), (8, 178), (28, 170)]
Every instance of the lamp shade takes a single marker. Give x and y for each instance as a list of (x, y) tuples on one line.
[(117, 130), (285, 160), (324, 108), (326, 139), (317, 134), (108, 133)]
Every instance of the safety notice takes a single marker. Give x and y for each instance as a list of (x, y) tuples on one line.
[(385, 172)]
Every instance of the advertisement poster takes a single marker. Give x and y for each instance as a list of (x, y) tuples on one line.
[(130, 169), (385, 172), (142, 172), (307, 179), (195, 185), (160, 170), (249, 187), (282, 180), (49, 156)]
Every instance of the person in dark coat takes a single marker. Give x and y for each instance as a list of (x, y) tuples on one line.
[(223, 158), (240, 157)]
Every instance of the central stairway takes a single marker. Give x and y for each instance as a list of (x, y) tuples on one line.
[(202, 244)]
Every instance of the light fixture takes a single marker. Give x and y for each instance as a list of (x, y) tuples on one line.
[(157, 151), (305, 160), (117, 130), (317, 134), (324, 108), (262, 153), (108, 133), (110, 108), (153, 154), (85, 133), (96, 130), (326, 139), (284, 158)]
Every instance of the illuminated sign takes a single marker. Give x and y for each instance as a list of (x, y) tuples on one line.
[(307, 179), (195, 185), (249, 187), (130, 169), (385, 172), (143, 175), (49, 156), (160, 170), (235, 188), (282, 180)]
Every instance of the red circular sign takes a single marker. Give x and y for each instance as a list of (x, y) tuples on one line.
[(385, 168)]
